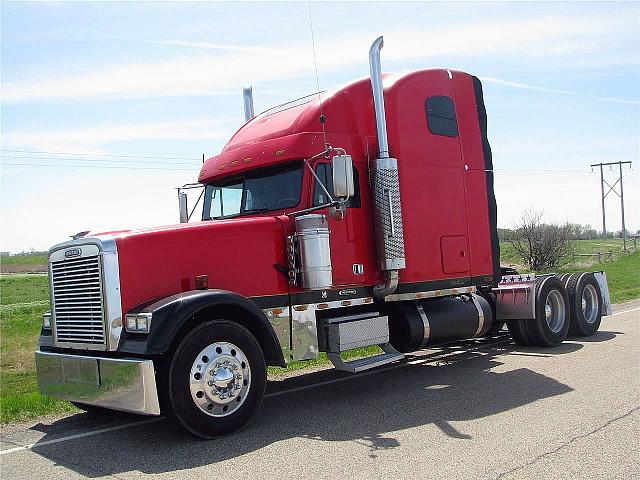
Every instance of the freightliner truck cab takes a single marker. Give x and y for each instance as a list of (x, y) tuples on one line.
[(360, 216)]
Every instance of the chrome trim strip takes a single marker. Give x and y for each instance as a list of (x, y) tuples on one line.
[(445, 292), (122, 384), (480, 315)]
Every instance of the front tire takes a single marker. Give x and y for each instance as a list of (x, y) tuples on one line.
[(217, 379)]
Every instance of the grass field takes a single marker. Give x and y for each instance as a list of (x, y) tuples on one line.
[(23, 260), (24, 298)]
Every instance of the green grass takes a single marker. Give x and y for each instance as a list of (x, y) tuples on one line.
[(24, 260), (24, 298), (23, 288), (20, 400)]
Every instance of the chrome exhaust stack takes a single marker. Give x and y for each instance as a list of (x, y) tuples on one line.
[(247, 95), (386, 189)]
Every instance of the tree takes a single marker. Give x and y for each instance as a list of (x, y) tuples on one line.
[(541, 245)]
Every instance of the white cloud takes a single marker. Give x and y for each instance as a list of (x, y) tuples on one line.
[(94, 138), (537, 88), (183, 43), (224, 70)]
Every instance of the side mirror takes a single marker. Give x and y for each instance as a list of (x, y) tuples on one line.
[(342, 176), (182, 207)]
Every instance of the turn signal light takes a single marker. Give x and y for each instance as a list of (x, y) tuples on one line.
[(138, 322), (46, 320)]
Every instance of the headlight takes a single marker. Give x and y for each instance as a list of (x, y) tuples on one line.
[(46, 320), (138, 322)]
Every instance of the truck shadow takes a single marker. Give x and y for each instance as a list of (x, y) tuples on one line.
[(432, 389)]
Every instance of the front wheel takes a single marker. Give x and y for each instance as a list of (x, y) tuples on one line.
[(217, 379)]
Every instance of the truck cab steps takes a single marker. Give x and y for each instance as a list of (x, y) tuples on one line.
[(354, 366), (339, 334)]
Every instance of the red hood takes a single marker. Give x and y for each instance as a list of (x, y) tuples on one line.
[(161, 261)]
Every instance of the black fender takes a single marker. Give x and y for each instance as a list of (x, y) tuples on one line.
[(173, 316)]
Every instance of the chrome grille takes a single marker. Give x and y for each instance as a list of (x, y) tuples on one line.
[(77, 301)]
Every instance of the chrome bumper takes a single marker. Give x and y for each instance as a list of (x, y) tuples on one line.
[(122, 384)]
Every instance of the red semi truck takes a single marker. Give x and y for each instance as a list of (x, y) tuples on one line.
[(362, 216)]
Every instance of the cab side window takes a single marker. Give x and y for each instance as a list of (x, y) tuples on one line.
[(441, 116), (325, 174)]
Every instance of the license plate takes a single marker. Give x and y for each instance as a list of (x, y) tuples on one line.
[(83, 371)]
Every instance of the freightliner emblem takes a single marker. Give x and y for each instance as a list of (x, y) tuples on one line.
[(350, 291), (73, 252)]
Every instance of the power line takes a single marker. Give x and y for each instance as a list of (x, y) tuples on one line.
[(94, 166), (91, 160), (544, 172), (95, 154), (499, 171)]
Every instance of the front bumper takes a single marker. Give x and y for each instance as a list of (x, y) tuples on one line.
[(122, 384)]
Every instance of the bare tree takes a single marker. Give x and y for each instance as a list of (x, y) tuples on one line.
[(541, 245)]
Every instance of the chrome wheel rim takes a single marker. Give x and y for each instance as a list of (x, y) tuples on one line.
[(590, 304), (554, 311), (220, 379)]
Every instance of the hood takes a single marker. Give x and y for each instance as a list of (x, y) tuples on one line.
[(161, 261)]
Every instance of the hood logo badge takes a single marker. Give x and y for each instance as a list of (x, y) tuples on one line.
[(73, 252)]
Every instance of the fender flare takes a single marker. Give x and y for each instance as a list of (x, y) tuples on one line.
[(170, 315)]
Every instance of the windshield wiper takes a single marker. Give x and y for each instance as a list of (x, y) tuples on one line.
[(240, 214)]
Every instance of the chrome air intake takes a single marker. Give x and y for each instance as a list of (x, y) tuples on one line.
[(386, 188)]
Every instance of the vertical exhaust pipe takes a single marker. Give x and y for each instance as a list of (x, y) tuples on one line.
[(247, 95), (386, 189), (378, 96)]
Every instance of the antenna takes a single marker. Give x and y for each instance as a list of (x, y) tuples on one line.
[(315, 62)]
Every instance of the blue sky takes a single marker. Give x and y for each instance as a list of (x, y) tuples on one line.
[(163, 81)]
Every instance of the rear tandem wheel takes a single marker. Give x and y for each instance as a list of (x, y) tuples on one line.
[(552, 316)]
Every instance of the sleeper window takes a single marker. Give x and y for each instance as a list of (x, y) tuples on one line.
[(441, 116)]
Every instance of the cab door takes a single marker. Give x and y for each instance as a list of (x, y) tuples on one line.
[(351, 238)]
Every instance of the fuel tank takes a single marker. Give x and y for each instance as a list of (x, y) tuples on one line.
[(437, 321)]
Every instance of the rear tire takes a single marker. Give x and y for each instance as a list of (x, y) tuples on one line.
[(517, 331), (217, 379), (551, 325), (585, 303)]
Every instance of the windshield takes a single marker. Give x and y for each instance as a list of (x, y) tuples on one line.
[(260, 191)]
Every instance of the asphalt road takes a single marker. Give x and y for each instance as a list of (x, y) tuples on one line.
[(495, 410)]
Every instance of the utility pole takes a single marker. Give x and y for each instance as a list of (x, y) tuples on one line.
[(612, 189)]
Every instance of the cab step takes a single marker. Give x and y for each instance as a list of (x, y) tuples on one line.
[(339, 334), (354, 366)]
